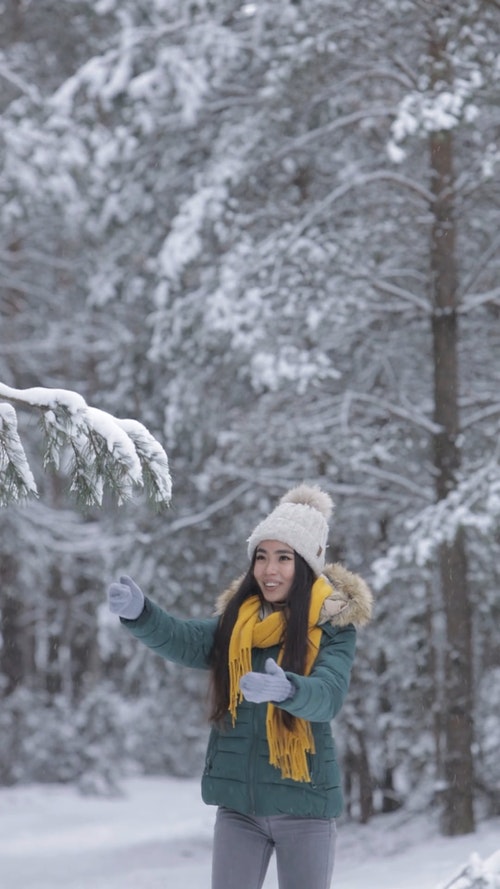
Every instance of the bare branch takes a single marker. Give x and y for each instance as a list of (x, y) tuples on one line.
[(485, 414), (402, 293), (416, 489), (198, 518), (26, 88), (410, 415), (481, 263), (475, 300), (359, 182), (338, 124)]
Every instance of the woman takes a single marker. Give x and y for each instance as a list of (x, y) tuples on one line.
[(280, 650)]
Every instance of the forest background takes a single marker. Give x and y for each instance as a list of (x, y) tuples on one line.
[(269, 232)]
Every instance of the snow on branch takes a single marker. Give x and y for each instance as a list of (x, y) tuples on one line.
[(16, 478), (473, 505), (434, 111), (154, 461), (98, 451), (477, 874)]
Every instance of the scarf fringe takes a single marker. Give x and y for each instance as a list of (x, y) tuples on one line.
[(288, 749)]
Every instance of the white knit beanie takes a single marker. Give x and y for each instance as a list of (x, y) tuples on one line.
[(301, 521)]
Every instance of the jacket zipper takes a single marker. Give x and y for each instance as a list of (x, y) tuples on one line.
[(252, 764), (252, 758)]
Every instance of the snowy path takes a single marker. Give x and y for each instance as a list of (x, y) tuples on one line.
[(158, 836)]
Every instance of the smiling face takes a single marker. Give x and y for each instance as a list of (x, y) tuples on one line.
[(274, 570)]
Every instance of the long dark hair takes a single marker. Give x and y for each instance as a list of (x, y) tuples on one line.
[(294, 640)]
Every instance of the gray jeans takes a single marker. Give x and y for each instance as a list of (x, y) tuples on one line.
[(243, 845)]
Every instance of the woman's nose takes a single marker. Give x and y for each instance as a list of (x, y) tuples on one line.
[(271, 568)]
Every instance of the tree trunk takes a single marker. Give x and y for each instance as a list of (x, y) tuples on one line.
[(11, 659), (17, 663), (13, 22), (365, 781), (458, 816), (357, 777)]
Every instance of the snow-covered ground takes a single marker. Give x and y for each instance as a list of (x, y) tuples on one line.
[(158, 836)]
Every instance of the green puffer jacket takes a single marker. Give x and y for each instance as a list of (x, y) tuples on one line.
[(237, 771)]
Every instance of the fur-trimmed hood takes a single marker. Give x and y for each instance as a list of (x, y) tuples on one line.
[(350, 601)]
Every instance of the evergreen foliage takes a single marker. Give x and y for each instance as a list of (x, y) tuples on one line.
[(104, 453)]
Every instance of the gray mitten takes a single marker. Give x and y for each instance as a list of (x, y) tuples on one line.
[(125, 598), (269, 686)]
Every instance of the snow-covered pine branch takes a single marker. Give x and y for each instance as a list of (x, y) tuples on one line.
[(153, 459), (98, 451), (16, 478)]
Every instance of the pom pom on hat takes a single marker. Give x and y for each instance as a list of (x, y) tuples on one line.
[(301, 520), (310, 495)]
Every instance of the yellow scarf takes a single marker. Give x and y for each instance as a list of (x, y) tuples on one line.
[(288, 748)]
